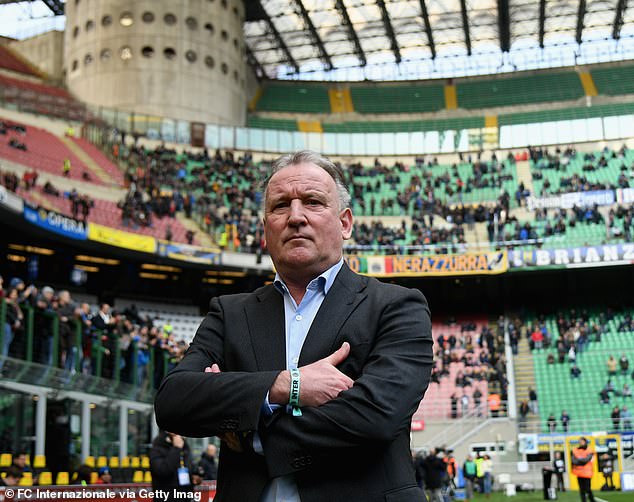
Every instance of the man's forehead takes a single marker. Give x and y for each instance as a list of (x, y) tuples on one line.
[(306, 176)]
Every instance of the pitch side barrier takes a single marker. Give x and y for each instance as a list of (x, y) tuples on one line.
[(138, 492)]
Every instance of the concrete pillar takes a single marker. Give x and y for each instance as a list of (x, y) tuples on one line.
[(40, 424), (85, 429), (123, 431)]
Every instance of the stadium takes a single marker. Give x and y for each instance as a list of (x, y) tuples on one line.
[(488, 149)]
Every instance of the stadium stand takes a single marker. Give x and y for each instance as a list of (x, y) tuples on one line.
[(510, 91), (397, 98), (614, 81), (571, 171), (10, 61), (40, 150), (596, 336), (468, 357), (304, 98)]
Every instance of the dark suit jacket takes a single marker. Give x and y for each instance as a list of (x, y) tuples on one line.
[(354, 448)]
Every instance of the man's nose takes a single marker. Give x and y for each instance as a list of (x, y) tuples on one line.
[(297, 213)]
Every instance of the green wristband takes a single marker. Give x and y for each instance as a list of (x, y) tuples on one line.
[(293, 398)]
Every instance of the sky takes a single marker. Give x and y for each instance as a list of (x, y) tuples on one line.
[(27, 19)]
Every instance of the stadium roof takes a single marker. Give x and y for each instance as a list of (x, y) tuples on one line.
[(393, 39), (286, 37)]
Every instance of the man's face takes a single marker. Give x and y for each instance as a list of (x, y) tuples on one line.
[(20, 460), (303, 226)]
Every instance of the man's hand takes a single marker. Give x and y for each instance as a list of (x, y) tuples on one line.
[(320, 382), (230, 438), (178, 441)]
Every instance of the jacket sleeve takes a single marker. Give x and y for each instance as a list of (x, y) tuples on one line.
[(198, 404), (377, 408)]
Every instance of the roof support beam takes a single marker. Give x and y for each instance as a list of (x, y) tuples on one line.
[(325, 57), (580, 15), (56, 6), (465, 25), (618, 19), (352, 34), (389, 31), (430, 35), (259, 70), (542, 22), (504, 25), (280, 41)]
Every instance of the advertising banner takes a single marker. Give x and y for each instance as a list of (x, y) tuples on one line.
[(185, 252), (10, 200), (568, 200), (432, 265), (119, 238), (56, 222), (591, 256)]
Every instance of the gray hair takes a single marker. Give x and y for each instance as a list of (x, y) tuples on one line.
[(311, 157)]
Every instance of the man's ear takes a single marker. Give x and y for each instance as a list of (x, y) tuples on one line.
[(346, 223)]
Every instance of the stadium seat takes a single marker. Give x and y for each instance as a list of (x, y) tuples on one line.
[(113, 462), (26, 479), (135, 462), (137, 477), (147, 477), (145, 461), (90, 461), (5, 459), (45, 478), (62, 478), (39, 462), (102, 461)]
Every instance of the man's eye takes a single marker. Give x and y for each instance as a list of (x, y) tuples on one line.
[(313, 202)]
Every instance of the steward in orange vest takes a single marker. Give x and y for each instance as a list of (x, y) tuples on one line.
[(582, 467)]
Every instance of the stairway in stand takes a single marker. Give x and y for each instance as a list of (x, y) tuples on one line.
[(524, 371)]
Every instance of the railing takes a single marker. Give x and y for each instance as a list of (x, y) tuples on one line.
[(575, 426), (95, 362)]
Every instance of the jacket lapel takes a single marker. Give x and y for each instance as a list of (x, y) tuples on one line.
[(345, 294), (265, 317)]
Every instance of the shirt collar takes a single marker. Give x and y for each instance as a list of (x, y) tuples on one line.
[(323, 280)]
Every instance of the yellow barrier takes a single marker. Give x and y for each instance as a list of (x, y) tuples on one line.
[(119, 238)]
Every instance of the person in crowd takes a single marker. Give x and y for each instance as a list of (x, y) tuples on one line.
[(532, 401), (208, 462), (611, 364), (11, 478), (575, 371), (582, 468), (626, 418), (436, 475), (309, 417), (607, 469), (43, 332), (551, 423), (524, 410), (82, 476), (469, 471), (615, 416), (565, 420), (624, 364), (104, 476), (559, 467), (13, 326), (171, 465), (487, 469)]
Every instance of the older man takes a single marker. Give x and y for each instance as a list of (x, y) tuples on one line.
[(312, 381)]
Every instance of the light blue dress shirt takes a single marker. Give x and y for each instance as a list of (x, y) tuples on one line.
[(298, 319)]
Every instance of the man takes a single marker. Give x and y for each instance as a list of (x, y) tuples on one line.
[(208, 462), (363, 350), (171, 466), (12, 477), (582, 467), (469, 470)]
